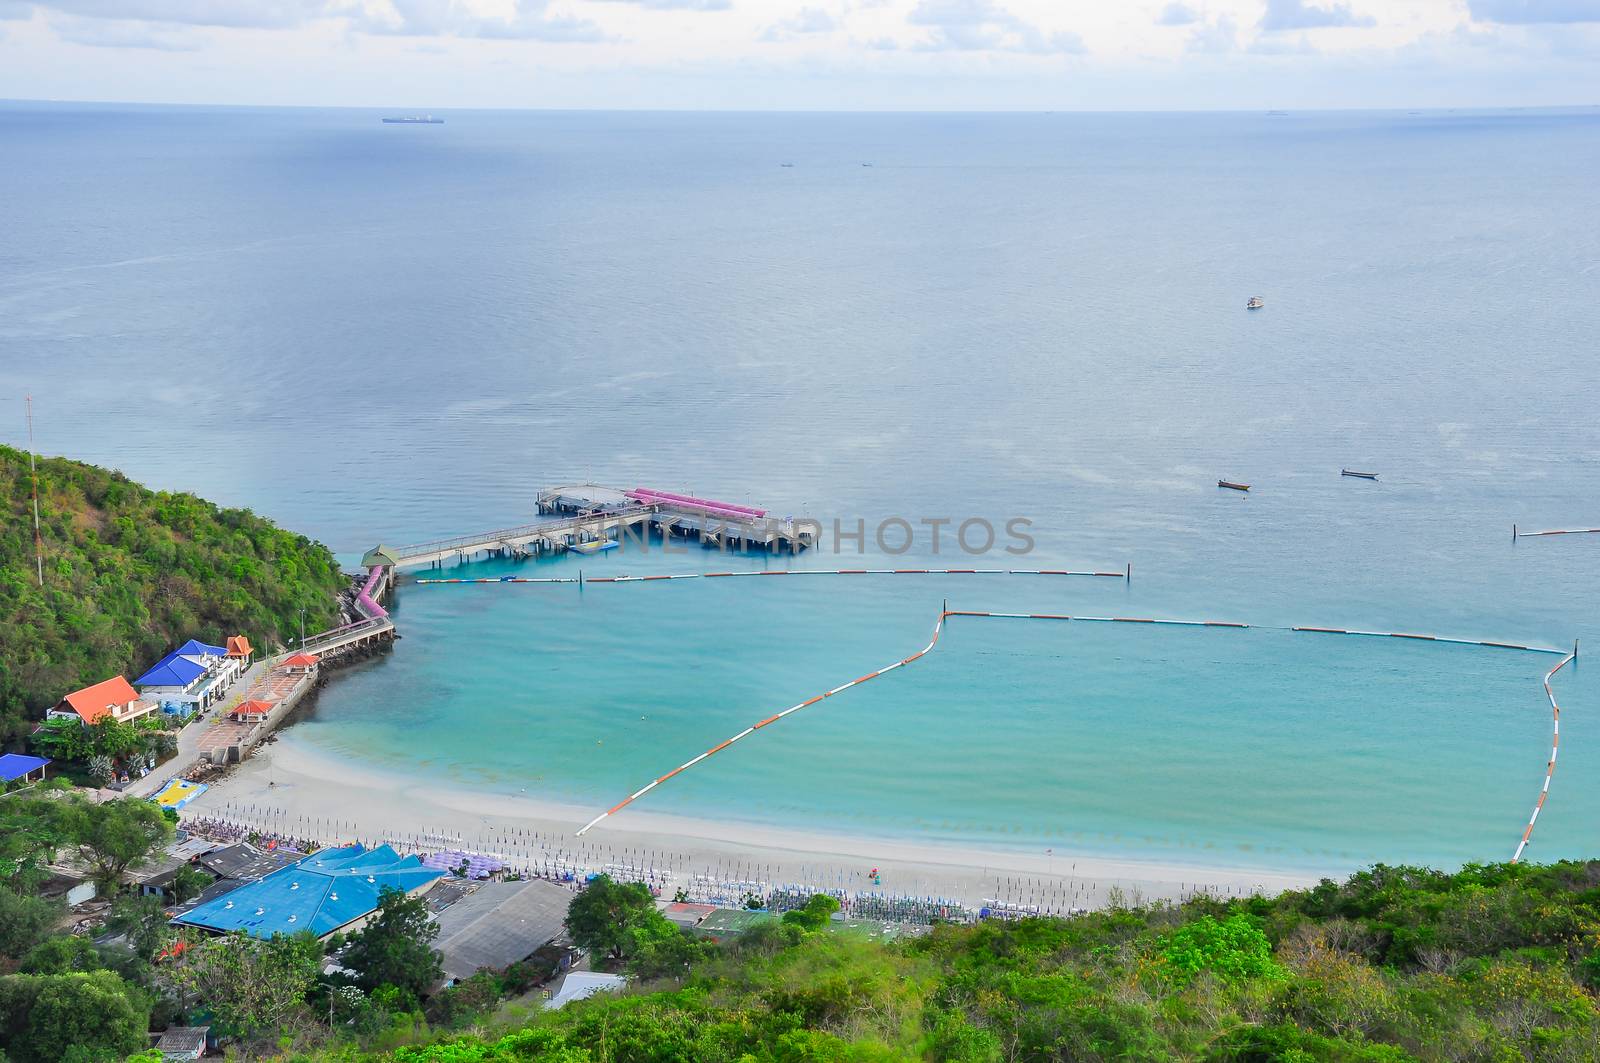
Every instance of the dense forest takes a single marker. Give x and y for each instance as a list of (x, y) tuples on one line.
[(129, 573)]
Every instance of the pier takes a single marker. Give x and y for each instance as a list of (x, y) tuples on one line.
[(581, 513)]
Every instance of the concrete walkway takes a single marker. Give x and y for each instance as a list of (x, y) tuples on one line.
[(189, 737)]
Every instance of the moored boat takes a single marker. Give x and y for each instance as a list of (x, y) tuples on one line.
[(1230, 485), (1255, 303), (1358, 475)]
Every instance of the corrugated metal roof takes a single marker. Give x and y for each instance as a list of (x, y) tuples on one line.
[(320, 893), (500, 923), (196, 648), (171, 671), (16, 765)]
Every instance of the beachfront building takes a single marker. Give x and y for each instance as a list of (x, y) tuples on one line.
[(190, 678), (240, 652), (114, 698), (21, 769), (252, 711), (300, 663), (328, 892), (495, 924)]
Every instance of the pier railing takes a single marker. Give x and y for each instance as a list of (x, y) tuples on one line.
[(525, 531)]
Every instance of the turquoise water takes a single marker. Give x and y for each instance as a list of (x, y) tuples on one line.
[(391, 333)]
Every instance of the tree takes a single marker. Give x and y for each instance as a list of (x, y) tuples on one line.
[(143, 921), (816, 913), (71, 1018), (602, 917), (61, 739), (395, 948), (24, 922), (249, 984), (116, 836), (1233, 949), (187, 882), (30, 835), (63, 954), (659, 948)]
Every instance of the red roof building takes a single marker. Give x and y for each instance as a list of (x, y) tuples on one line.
[(301, 662), (239, 646), (254, 709), (111, 697)]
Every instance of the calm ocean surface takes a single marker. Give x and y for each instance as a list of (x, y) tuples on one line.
[(393, 333)]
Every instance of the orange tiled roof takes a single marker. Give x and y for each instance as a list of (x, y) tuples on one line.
[(302, 660), (253, 707), (91, 703), (239, 646)]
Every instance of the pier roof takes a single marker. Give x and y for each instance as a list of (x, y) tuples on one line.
[(379, 555)]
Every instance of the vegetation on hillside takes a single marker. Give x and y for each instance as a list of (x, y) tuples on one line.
[(1495, 963), (130, 573)]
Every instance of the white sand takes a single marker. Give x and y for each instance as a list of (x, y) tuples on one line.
[(300, 791)]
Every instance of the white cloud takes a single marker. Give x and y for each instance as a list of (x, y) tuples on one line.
[(805, 22), (1300, 15), (675, 5), (1178, 15), (116, 33), (529, 20), (1527, 12), (984, 26)]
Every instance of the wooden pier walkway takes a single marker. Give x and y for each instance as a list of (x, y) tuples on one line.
[(581, 513)]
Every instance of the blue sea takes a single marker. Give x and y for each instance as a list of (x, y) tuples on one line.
[(393, 333)]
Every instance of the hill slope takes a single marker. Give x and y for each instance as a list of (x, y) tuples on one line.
[(129, 573)]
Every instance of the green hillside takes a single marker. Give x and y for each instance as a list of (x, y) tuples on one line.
[(129, 573), (1494, 964)]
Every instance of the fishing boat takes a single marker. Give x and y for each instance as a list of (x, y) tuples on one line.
[(1255, 303), (595, 546), (413, 119), (1230, 485), (1358, 475)]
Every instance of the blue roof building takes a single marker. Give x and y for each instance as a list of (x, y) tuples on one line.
[(325, 892), (196, 648), (193, 674), (14, 766), (171, 671)]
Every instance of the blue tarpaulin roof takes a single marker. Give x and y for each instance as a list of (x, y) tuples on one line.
[(16, 765), (319, 893), (171, 671), (196, 648)]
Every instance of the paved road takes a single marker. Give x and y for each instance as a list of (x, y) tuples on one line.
[(189, 737)]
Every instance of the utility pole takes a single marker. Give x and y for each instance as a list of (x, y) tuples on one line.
[(33, 471)]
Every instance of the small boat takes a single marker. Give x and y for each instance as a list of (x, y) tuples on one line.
[(787, 165), (1358, 475), (1230, 485), (414, 119), (1255, 303), (595, 546)]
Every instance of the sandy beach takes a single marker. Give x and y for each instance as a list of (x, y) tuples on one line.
[(297, 790)]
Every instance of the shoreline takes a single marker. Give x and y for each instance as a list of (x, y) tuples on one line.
[(291, 789)]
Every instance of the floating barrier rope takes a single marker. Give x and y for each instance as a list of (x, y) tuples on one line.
[(1515, 534), (1125, 574), (947, 613), (1550, 766)]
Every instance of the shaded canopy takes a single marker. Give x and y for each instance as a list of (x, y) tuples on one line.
[(379, 555)]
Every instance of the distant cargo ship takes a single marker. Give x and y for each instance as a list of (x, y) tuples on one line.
[(415, 119)]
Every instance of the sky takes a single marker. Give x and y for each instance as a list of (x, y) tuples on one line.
[(806, 54)]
